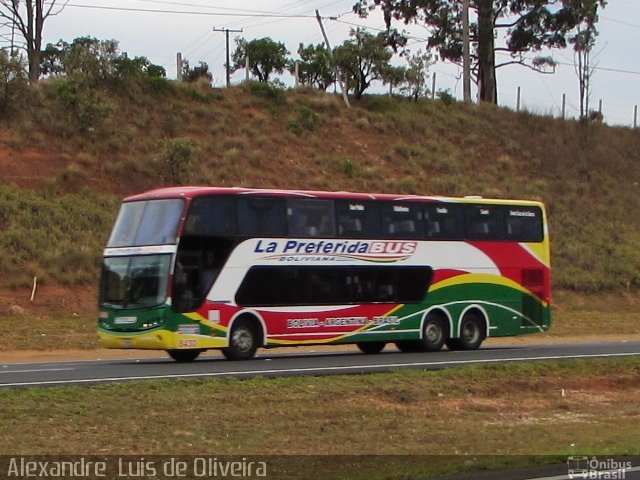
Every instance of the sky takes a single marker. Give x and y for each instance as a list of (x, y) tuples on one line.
[(155, 29)]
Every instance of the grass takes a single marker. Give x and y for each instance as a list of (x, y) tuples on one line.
[(260, 135), (52, 235), (471, 411), (50, 323)]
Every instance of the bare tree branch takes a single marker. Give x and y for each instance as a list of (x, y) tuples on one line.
[(28, 17), (524, 64)]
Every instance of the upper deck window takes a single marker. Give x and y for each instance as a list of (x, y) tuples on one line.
[(357, 219), (524, 224), (311, 217), (443, 221), (150, 222), (484, 222), (237, 216), (402, 220)]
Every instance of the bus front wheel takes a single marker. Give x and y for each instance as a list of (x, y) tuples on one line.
[(472, 334), (243, 341), (371, 347), (184, 356)]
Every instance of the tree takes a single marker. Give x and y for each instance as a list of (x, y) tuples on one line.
[(394, 76), (265, 57), (583, 44), (12, 78), (361, 60), (29, 16), (416, 75), (177, 160), (314, 67), (196, 73), (529, 25), (94, 59)]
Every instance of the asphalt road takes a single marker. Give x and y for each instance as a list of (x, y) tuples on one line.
[(268, 364)]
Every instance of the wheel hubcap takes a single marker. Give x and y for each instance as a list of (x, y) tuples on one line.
[(242, 339), (471, 332), (433, 332)]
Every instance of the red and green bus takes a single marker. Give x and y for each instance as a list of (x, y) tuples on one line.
[(188, 269)]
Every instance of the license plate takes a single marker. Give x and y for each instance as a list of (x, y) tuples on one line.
[(125, 320)]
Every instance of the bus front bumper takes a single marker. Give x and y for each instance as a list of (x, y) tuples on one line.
[(159, 340)]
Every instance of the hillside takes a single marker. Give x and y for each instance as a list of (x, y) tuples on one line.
[(68, 155)]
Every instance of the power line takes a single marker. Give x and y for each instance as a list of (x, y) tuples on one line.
[(189, 12), (620, 22), (180, 4), (604, 69)]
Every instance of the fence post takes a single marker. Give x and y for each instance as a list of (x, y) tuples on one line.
[(635, 116), (564, 105), (518, 101)]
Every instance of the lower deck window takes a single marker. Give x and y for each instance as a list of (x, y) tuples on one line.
[(340, 285)]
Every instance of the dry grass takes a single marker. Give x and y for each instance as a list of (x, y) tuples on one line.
[(252, 136), (65, 318), (470, 411)]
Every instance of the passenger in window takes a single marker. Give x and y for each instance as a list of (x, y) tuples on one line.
[(209, 272)]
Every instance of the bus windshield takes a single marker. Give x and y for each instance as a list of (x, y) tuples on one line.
[(152, 222), (134, 281)]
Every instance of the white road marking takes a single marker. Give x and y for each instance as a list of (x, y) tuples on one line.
[(315, 369)]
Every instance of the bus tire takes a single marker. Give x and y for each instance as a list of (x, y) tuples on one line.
[(408, 346), (244, 340), (435, 331), (472, 333), (184, 355), (371, 347)]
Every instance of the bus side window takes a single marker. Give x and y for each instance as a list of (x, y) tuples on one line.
[(186, 281), (311, 217), (443, 221), (402, 220), (357, 219), (349, 227), (212, 216), (261, 217), (484, 222), (524, 224)]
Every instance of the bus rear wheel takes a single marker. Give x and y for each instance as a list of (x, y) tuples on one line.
[(435, 332), (371, 347), (243, 341), (185, 355), (472, 334)]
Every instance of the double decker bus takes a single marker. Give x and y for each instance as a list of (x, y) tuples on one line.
[(188, 269)]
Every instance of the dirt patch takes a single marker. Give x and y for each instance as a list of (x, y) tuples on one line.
[(50, 300), (30, 168)]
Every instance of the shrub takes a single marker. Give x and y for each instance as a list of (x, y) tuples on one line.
[(268, 90), (87, 105), (347, 166), (446, 97), (177, 160)]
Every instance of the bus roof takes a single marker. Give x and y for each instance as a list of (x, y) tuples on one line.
[(189, 192)]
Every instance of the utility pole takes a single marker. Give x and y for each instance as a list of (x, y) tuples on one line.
[(338, 76), (179, 66), (466, 63), (227, 65), (13, 35)]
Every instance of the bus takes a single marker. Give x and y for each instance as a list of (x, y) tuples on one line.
[(187, 269)]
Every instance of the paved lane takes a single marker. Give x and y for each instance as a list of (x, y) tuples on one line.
[(289, 364)]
